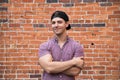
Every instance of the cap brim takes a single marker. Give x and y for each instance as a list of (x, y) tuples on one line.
[(69, 27)]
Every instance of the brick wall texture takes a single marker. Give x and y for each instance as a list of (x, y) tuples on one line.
[(25, 24)]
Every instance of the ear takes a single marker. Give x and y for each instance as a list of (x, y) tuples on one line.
[(67, 23)]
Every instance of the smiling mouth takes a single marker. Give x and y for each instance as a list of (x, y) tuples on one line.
[(56, 29)]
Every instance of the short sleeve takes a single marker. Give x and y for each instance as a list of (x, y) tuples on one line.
[(43, 49), (78, 51)]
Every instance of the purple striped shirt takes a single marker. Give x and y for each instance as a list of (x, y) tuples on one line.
[(69, 50)]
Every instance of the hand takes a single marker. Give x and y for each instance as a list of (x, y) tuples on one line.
[(78, 61)]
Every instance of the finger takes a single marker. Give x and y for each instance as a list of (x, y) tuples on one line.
[(82, 57)]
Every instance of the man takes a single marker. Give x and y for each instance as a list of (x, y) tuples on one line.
[(61, 57)]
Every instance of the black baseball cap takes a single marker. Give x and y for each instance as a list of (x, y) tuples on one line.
[(62, 15)]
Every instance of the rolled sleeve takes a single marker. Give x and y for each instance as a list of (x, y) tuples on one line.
[(43, 50), (79, 51)]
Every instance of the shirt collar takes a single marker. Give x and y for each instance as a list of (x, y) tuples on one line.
[(56, 40)]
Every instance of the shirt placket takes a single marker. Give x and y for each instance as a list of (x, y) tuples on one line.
[(60, 77)]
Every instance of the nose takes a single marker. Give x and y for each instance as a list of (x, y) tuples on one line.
[(55, 25)]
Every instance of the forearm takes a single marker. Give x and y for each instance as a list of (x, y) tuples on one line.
[(56, 67), (73, 71)]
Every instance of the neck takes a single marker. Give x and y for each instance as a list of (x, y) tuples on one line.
[(62, 38)]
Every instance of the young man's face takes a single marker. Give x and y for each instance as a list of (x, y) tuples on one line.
[(59, 25)]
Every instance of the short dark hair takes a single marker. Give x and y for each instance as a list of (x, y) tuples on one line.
[(62, 15)]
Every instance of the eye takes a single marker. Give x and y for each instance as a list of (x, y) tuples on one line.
[(53, 22), (59, 22)]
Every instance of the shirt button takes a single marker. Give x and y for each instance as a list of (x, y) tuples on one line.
[(60, 76)]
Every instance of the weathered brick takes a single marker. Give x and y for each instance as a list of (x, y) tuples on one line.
[(38, 25), (99, 77), (40, 1), (99, 25), (106, 4), (65, 1), (113, 0), (87, 25), (21, 76), (113, 8), (10, 76), (93, 12), (88, 0), (68, 5), (101, 0), (76, 25), (76, 1), (3, 1), (3, 20), (3, 8), (14, 25), (35, 76), (27, 0), (117, 12), (113, 16), (52, 1)]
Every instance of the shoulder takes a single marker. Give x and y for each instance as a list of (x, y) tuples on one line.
[(47, 43)]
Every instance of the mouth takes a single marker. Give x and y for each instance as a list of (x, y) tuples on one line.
[(56, 29)]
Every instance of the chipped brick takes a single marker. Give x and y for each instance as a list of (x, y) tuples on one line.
[(64, 1), (87, 25), (68, 5), (75, 25), (106, 4), (99, 25), (35, 76), (88, 1), (3, 1), (101, 0), (3, 9), (52, 1), (3, 20), (38, 25)]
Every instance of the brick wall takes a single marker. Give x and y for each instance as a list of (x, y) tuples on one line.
[(25, 24)]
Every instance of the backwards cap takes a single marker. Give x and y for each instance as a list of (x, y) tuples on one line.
[(62, 15)]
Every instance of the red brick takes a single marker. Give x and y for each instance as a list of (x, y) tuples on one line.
[(113, 16), (105, 63), (88, 59), (112, 68), (23, 67), (99, 59), (106, 12), (22, 76), (41, 1), (92, 55), (93, 12), (9, 76), (87, 8), (2, 58), (116, 29), (117, 12), (112, 8), (27, 0), (56, 5), (84, 77), (99, 77)]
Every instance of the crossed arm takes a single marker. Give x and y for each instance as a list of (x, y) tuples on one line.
[(71, 67)]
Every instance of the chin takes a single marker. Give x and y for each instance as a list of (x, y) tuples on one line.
[(58, 33)]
